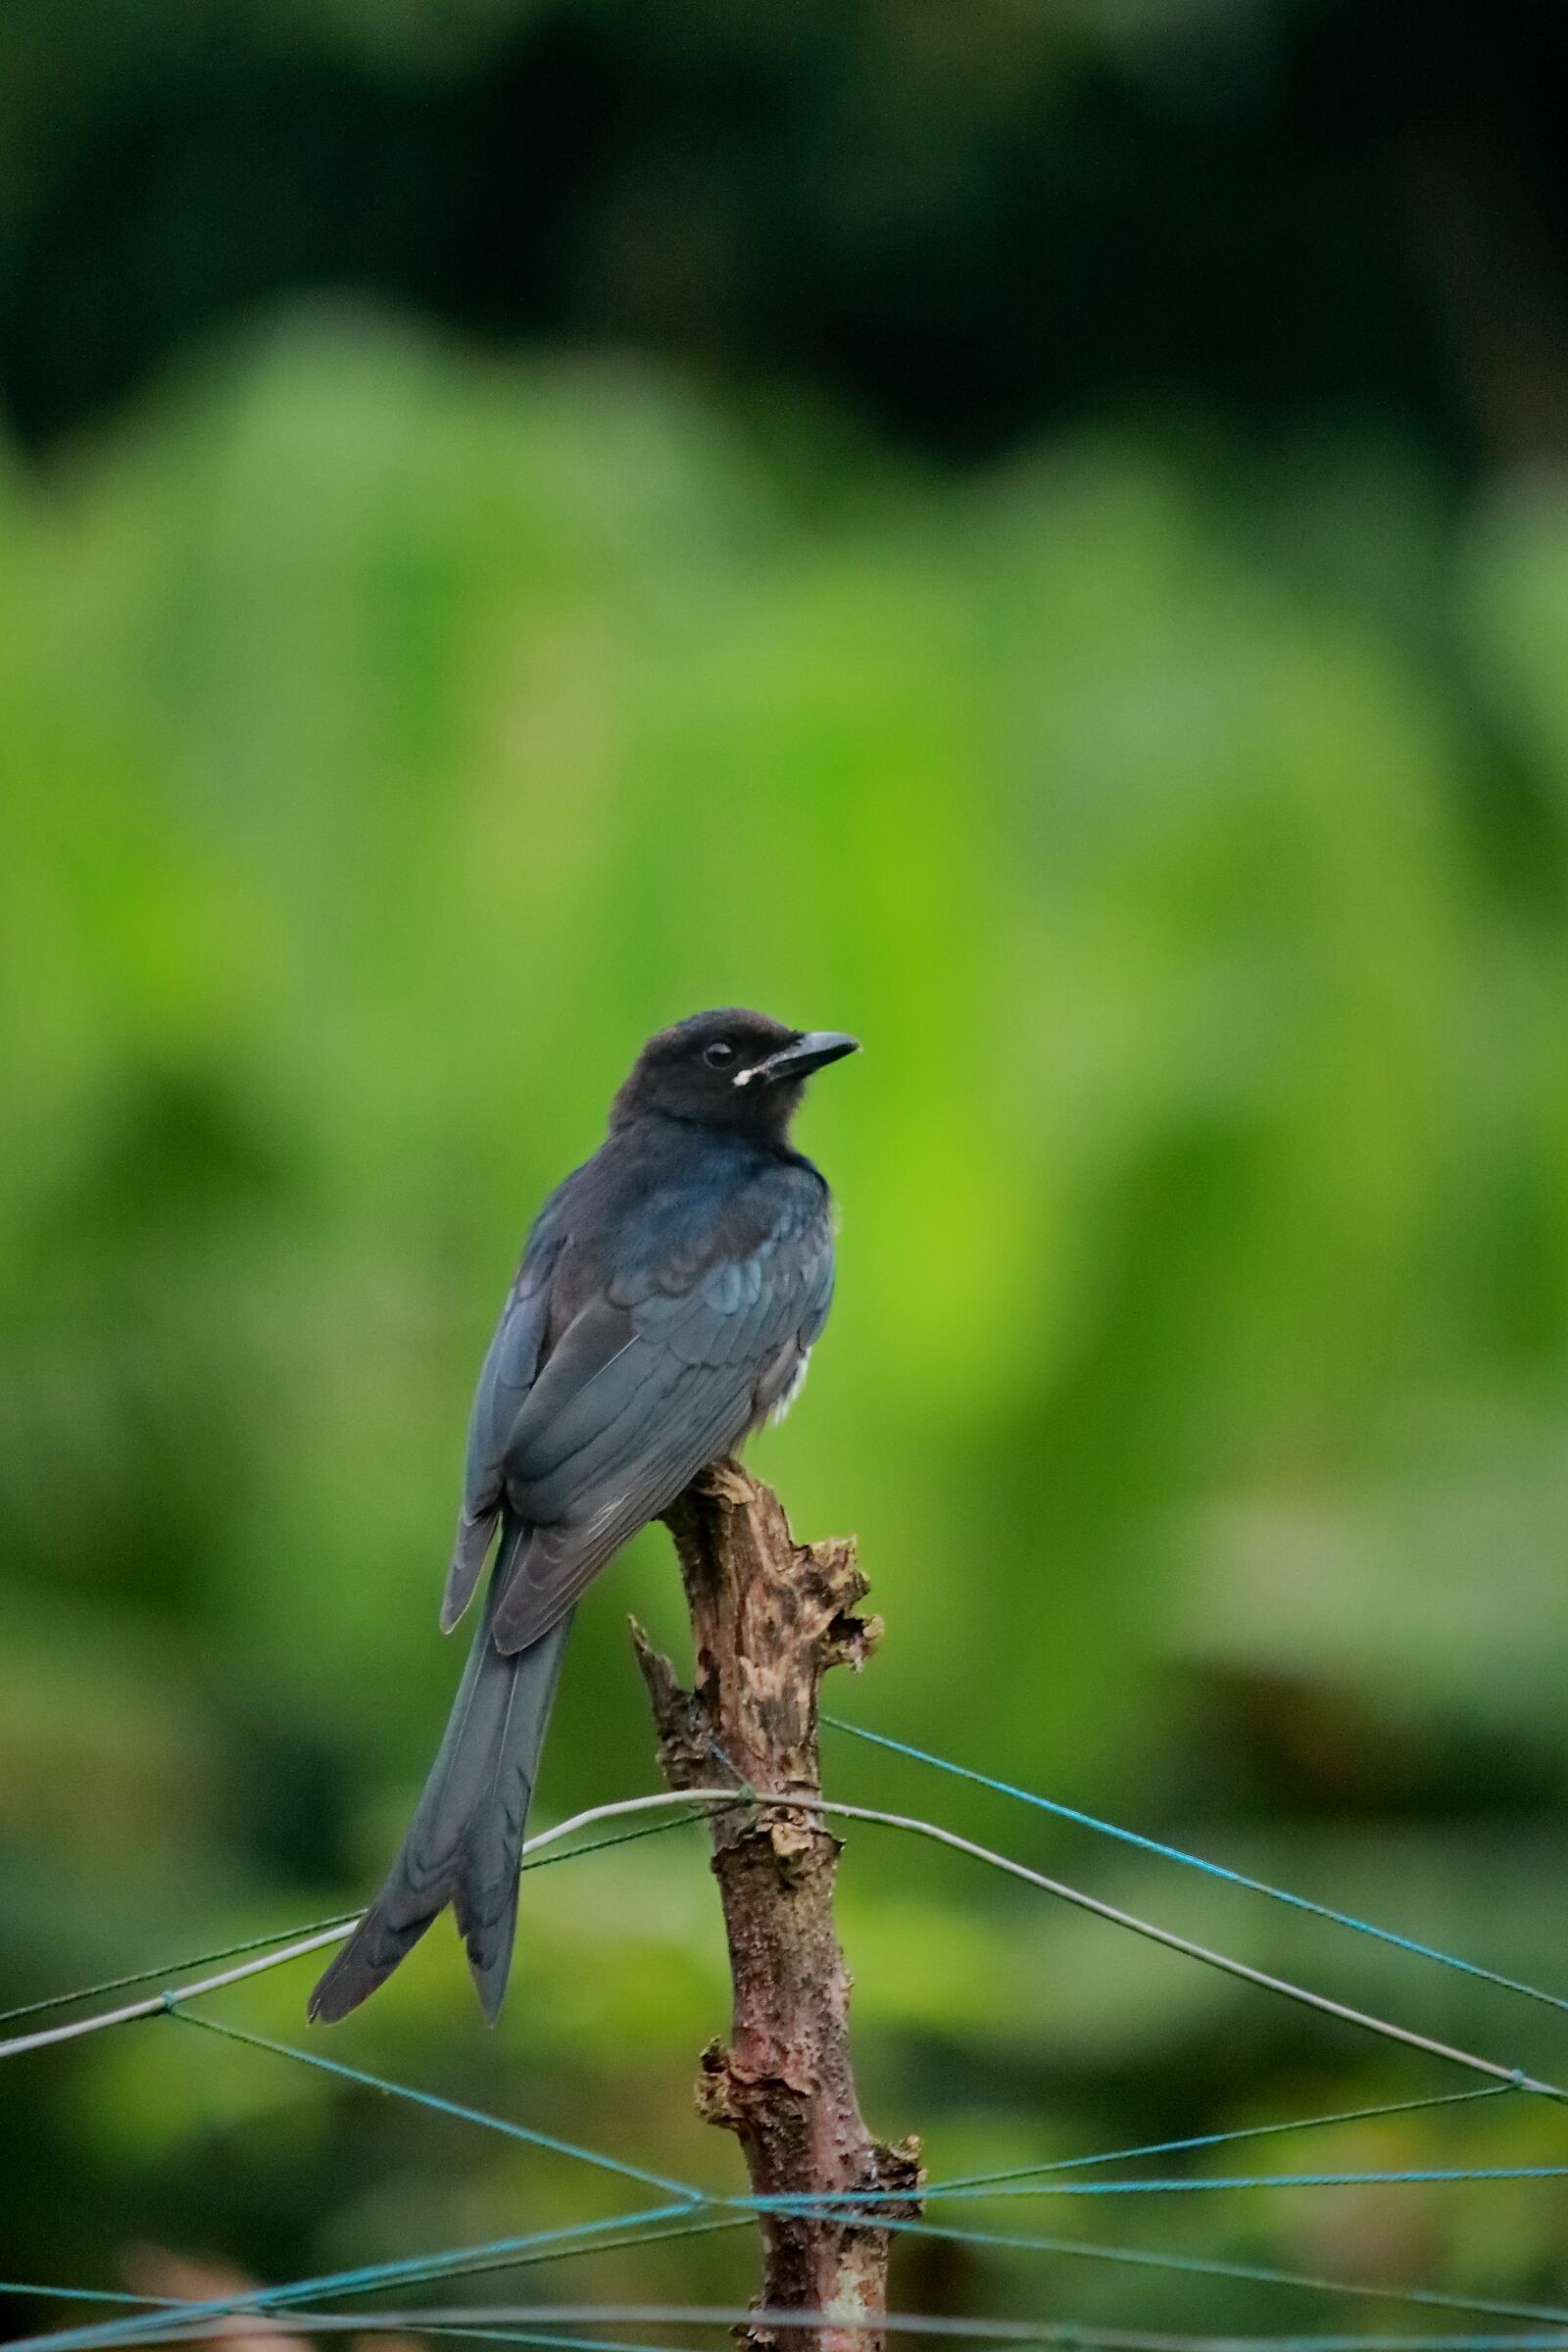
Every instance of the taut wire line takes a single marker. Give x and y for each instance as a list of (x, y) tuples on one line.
[(1242, 1970)]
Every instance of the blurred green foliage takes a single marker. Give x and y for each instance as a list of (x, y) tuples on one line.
[(968, 219), (394, 741)]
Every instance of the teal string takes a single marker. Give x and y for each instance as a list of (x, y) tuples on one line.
[(1213, 1869), (1216, 2139), (978, 2183), (547, 2245), (437, 2105), (656, 2234), (505, 2327), (364, 2279), (1247, 2273), (978, 2332), (643, 2227), (653, 2228), (562, 2343), (87, 2294), (1028, 2187), (1427, 2177)]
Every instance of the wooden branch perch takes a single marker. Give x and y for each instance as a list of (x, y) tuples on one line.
[(769, 1616)]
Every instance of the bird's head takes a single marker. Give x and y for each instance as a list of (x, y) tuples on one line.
[(734, 1070)]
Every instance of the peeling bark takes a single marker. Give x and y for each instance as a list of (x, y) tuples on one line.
[(769, 1616)]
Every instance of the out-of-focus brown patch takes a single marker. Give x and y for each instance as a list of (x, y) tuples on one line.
[(156, 2270)]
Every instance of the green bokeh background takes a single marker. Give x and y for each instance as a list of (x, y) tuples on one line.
[(395, 732)]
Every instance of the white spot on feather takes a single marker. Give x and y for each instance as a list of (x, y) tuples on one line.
[(797, 1384)]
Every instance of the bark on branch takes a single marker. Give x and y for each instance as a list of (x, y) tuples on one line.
[(769, 1616)]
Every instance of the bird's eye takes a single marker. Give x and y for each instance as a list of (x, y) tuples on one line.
[(719, 1055)]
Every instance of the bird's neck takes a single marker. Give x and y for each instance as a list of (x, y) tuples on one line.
[(757, 1132)]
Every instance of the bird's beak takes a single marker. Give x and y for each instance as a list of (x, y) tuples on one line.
[(812, 1050)]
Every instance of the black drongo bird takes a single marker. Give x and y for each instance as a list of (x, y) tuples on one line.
[(667, 1299)]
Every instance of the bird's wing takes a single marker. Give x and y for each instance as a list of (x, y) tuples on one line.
[(647, 1386), (509, 1370)]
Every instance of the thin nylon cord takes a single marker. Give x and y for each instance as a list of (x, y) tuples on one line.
[(699, 2199), (200, 2316), (504, 2319), (1257, 2275), (553, 2245), (562, 2343), (1420, 2178), (1239, 1968), (982, 2183), (1071, 2339), (364, 2279), (1064, 2333), (976, 2331), (439, 2106), (1249, 2274), (981, 2334), (91, 2294), (1203, 2184), (406, 2270), (1215, 2139), (1213, 1869)]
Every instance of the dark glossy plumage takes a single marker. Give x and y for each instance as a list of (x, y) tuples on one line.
[(669, 1293)]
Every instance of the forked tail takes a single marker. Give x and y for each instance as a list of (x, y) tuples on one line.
[(464, 1843)]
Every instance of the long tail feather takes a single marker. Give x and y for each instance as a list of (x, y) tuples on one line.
[(464, 1843)]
